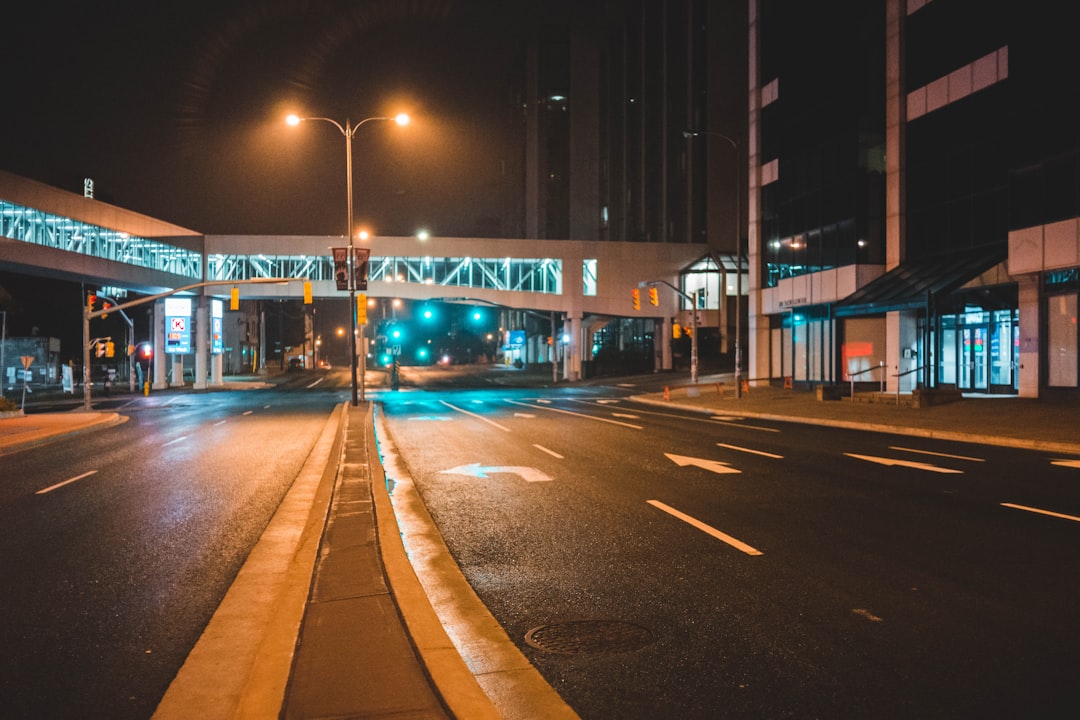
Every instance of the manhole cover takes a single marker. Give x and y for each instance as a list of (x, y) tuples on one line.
[(588, 636)]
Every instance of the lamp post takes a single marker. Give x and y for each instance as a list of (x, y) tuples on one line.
[(348, 130), (738, 253)]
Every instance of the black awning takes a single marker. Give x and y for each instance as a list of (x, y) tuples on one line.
[(911, 284)]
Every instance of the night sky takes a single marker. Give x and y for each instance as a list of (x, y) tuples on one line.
[(176, 109)]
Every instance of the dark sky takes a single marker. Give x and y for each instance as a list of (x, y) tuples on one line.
[(176, 109)]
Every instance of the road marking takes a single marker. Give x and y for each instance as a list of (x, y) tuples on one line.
[(175, 440), (552, 453), (607, 402), (580, 415), (737, 544), (744, 425), (626, 416), (749, 450), (266, 407), (248, 412), (905, 463), (543, 401), (308, 387), (219, 422), (482, 471), (711, 465), (1066, 463), (478, 417), (428, 418), (66, 482), (1041, 512), (944, 455), (863, 612), (524, 415)]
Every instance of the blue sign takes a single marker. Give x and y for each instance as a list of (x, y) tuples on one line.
[(217, 341), (517, 338)]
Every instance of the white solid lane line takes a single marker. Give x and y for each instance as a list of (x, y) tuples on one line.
[(175, 440), (749, 450), (1051, 513), (708, 529), (474, 415), (937, 454), (580, 415), (66, 482)]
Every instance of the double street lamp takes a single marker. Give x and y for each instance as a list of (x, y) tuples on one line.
[(738, 252), (348, 130)]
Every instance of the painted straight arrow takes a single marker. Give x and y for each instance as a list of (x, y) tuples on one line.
[(477, 470), (904, 463), (711, 465)]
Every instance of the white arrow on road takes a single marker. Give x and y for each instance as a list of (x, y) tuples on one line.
[(904, 463), (482, 471), (712, 465)]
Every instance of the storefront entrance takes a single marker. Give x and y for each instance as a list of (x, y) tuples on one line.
[(979, 351)]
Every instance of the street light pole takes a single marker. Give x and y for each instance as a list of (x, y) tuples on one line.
[(738, 253), (348, 130)]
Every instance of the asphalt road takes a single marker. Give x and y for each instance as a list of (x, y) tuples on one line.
[(119, 545), (655, 564)]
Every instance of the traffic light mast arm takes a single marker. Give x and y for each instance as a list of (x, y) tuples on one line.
[(89, 314), (209, 283), (693, 324)]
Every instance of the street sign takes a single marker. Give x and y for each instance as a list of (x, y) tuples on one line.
[(177, 326)]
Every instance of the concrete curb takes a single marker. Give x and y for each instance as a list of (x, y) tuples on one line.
[(240, 666), (951, 435), (513, 688), (46, 436)]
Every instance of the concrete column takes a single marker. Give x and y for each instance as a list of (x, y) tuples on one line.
[(215, 370), (202, 343), (1028, 287), (160, 361)]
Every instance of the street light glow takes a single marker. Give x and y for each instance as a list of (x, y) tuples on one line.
[(402, 119)]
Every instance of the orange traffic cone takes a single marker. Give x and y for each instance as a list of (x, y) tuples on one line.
[(667, 393)]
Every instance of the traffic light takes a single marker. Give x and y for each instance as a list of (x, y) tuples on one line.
[(635, 298), (654, 297), (110, 349), (146, 351), (105, 306), (676, 331), (99, 349), (361, 309), (307, 292), (234, 299), (91, 298)]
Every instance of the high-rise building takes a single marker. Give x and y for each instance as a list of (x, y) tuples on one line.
[(914, 194)]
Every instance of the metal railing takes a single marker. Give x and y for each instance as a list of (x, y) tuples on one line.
[(899, 375), (879, 366)]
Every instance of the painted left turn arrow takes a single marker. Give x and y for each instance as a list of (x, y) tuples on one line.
[(711, 465), (904, 463), (482, 471)]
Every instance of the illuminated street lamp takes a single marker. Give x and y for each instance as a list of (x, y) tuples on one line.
[(348, 130)]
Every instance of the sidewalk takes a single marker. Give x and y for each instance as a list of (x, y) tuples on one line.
[(991, 420)]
